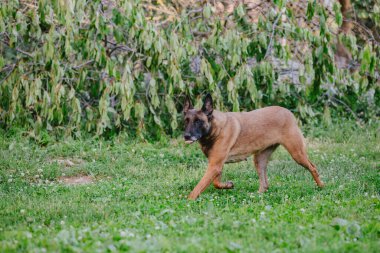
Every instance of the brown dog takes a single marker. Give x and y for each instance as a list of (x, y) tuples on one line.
[(233, 136)]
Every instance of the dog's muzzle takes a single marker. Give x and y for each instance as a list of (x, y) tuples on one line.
[(189, 139)]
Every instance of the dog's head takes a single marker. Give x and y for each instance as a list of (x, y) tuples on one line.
[(197, 122)]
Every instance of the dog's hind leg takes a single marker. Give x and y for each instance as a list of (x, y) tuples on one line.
[(297, 149), (261, 160), (302, 159), (222, 185)]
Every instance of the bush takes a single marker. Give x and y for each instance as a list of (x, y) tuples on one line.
[(74, 66)]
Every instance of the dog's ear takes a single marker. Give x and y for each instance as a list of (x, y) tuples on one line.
[(207, 107), (187, 105)]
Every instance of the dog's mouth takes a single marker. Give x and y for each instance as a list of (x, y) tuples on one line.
[(191, 140)]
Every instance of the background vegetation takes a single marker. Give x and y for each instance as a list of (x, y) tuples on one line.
[(94, 68), (102, 66)]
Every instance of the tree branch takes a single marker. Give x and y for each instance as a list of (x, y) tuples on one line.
[(17, 49), (9, 73), (83, 64), (272, 35)]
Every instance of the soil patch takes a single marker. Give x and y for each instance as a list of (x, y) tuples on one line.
[(76, 180)]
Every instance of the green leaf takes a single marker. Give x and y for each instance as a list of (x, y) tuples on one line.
[(240, 10), (207, 11), (230, 85), (338, 14), (366, 58), (311, 5)]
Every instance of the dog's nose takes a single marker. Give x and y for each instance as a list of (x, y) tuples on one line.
[(187, 136)]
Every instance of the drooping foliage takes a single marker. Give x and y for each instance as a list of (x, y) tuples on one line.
[(76, 65)]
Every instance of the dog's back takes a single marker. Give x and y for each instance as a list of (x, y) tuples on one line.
[(261, 128)]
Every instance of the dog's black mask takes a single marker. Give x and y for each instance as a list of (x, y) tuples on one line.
[(197, 122)]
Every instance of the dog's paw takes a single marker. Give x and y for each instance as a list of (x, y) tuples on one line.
[(229, 185), (190, 197), (262, 190), (321, 185)]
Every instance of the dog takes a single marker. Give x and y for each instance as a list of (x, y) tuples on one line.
[(227, 137)]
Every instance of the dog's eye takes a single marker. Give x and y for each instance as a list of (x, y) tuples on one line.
[(198, 121)]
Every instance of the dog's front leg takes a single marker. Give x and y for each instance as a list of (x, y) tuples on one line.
[(212, 172)]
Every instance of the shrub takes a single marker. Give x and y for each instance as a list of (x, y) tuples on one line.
[(74, 66)]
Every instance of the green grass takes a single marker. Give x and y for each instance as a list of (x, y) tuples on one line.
[(138, 200)]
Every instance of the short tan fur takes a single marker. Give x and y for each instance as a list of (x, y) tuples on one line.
[(233, 136)]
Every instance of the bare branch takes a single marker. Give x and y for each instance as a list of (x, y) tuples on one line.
[(272, 35), (17, 49), (347, 108), (13, 67), (83, 64)]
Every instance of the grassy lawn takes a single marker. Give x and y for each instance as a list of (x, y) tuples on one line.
[(137, 201)]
